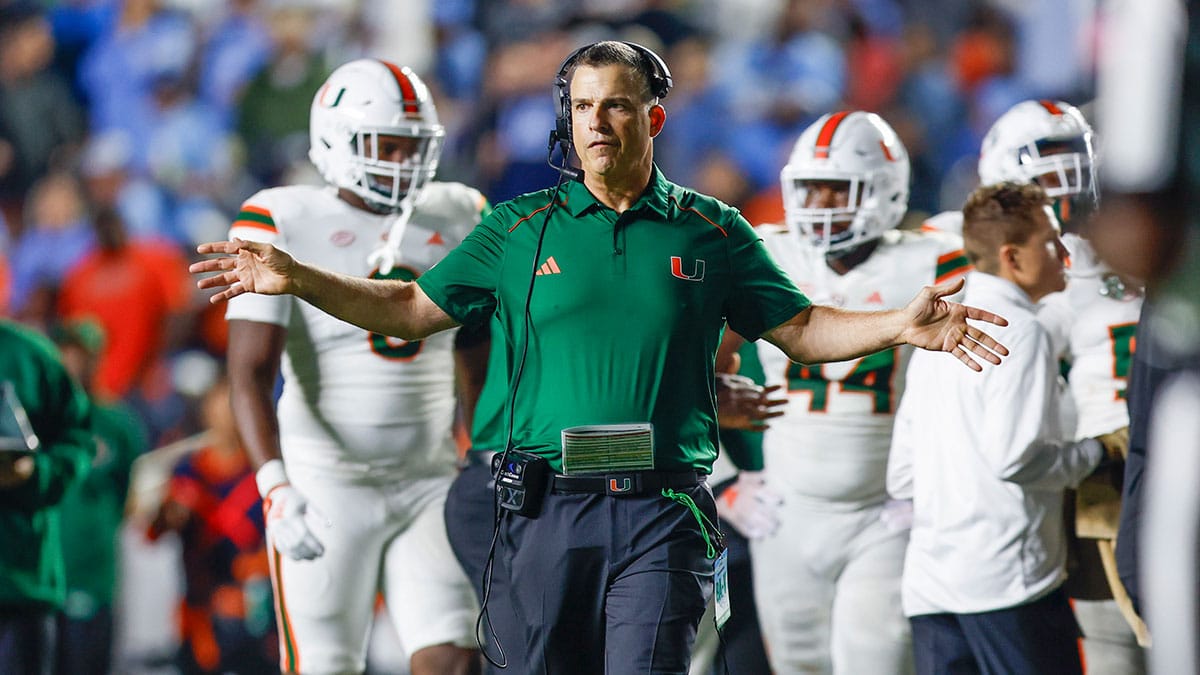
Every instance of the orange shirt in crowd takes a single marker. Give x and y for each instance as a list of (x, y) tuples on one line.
[(132, 292)]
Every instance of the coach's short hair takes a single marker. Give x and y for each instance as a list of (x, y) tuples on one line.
[(995, 215), (613, 52)]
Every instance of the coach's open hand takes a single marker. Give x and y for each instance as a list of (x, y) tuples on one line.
[(247, 267), (938, 324)]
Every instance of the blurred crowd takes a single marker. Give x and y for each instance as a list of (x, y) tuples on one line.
[(132, 129)]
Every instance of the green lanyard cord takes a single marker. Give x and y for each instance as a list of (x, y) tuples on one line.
[(701, 519)]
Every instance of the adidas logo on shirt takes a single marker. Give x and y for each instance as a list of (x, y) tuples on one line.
[(549, 267)]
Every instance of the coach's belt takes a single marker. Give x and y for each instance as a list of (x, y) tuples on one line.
[(626, 483)]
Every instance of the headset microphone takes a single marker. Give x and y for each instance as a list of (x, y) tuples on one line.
[(569, 172)]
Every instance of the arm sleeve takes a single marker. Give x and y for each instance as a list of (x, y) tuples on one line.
[(745, 448), (256, 222), (762, 296), (952, 261), (1025, 445), (463, 284)]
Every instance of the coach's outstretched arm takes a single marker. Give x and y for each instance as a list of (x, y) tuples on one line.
[(819, 334), (391, 307)]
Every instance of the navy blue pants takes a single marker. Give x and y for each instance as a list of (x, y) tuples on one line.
[(469, 516), (27, 641), (1037, 638), (612, 585), (85, 645)]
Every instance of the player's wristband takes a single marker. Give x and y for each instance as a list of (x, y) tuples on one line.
[(270, 476)]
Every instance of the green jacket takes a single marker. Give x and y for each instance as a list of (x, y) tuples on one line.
[(31, 558)]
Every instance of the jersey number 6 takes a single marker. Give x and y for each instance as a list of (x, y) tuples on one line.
[(392, 348)]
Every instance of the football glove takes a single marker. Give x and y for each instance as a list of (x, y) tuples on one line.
[(285, 509), (750, 507), (1116, 444)]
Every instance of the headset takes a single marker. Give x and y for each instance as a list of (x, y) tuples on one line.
[(560, 136)]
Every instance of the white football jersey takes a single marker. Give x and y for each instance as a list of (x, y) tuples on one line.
[(1092, 324), (354, 403), (832, 443), (950, 222)]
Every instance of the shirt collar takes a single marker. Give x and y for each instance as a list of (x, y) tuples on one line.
[(577, 198), (990, 284)]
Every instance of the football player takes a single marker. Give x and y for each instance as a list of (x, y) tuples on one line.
[(355, 461), (827, 548)]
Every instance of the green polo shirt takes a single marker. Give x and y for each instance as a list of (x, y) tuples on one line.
[(626, 311), (490, 428)]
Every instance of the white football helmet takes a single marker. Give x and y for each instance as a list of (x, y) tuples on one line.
[(858, 148), (361, 101), (1048, 143)]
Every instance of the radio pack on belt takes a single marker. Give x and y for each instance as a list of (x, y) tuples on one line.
[(520, 481)]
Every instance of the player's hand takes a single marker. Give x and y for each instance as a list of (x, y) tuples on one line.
[(744, 405), (750, 507), (246, 267), (897, 514), (1116, 444), (287, 529), (938, 324), (15, 469)]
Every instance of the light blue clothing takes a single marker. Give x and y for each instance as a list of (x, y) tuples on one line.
[(806, 72), (186, 142), (690, 135), (809, 70), (118, 73), (44, 256), (236, 51), (144, 208)]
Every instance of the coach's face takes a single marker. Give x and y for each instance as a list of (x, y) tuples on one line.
[(612, 123)]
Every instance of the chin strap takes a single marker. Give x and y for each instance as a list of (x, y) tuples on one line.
[(387, 254)]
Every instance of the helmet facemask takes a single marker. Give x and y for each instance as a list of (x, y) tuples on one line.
[(383, 183), (827, 228), (1063, 168)]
